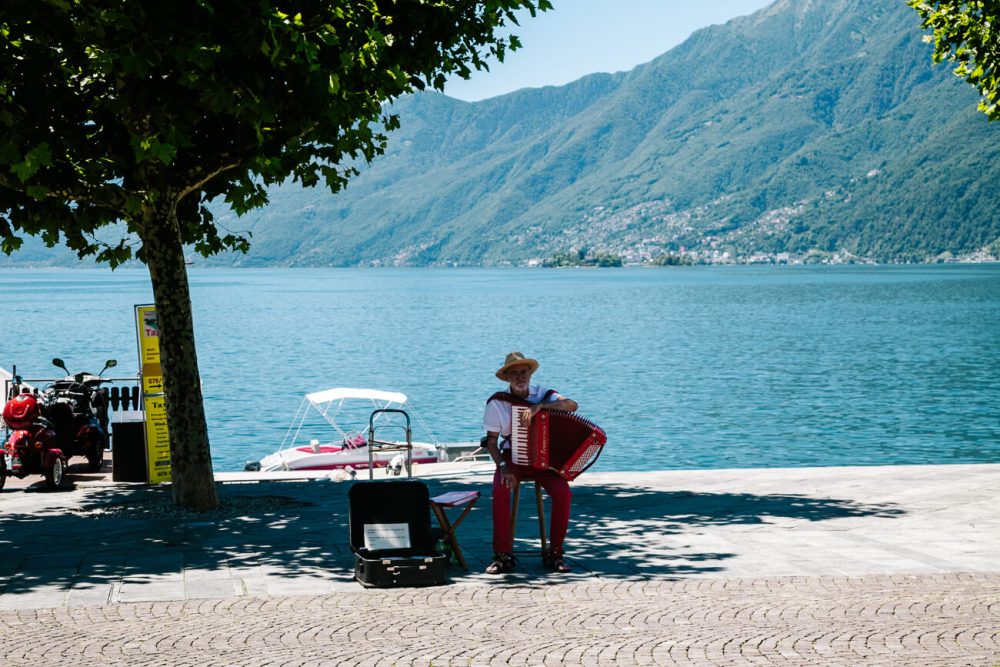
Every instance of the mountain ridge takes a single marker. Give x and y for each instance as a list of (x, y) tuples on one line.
[(806, 129)]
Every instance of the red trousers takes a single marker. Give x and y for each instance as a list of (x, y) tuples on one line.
[(559, 493)]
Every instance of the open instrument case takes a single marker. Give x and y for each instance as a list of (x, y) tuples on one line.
[(390, 525)]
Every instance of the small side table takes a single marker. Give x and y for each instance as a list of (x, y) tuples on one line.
[(453, 499)]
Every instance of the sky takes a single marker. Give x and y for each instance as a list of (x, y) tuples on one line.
[(580, 37)]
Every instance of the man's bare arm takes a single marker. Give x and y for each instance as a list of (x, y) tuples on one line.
[(506, 474), (561, 403)]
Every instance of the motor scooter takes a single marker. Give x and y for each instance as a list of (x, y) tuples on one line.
[(32, 447), (77, 408)]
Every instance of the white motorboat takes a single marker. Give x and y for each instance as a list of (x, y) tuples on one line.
[(358, 416)]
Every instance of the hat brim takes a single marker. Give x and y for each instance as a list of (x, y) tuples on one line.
[(502, 373)]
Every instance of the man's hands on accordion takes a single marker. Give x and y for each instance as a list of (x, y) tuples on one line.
[(529, 414)]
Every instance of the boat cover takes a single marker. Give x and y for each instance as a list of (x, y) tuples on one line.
[(339, 393)]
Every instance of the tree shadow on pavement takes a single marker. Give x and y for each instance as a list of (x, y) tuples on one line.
[(129, 543), (124, 543), (627, 530)]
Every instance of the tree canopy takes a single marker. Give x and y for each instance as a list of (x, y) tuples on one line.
[(104, 105), (142, 112), (967, 32)]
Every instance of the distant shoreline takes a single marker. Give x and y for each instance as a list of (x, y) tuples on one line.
[(627, 265)]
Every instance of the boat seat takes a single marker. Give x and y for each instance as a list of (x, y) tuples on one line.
[(453, 499)]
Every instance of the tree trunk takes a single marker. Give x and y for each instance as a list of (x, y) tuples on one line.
[(190, 457)]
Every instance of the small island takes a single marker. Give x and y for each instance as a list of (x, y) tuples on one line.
[(582, 257)]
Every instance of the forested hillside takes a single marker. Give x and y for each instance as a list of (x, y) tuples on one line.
[(809, 129)]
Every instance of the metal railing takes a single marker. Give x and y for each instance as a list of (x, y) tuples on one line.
[(122, 398)]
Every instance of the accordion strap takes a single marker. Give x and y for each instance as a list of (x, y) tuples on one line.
[(514, 400)]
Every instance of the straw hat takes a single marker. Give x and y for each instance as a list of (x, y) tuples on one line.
[(516, 359)]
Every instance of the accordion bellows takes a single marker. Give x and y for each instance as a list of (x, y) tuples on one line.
[(561, 441)]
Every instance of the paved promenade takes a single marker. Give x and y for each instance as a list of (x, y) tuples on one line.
[(821, 566)]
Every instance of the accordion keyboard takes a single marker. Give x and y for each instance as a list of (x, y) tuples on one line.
[(519, 437)]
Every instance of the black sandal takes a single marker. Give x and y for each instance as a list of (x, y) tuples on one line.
[(502, 562), (553, 559)]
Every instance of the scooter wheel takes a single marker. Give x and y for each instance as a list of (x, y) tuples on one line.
[(95, 458), (3, 471), (56, 475)]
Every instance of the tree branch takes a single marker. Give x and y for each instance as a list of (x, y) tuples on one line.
[(109, 198), (206, 177)]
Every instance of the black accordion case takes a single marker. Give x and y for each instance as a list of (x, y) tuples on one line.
[(390, 525)]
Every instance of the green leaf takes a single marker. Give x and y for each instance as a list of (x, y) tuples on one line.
[(38, 157), (148, 149), (10, 244), (37, 192)]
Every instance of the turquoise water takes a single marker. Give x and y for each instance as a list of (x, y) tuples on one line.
[(700, 367)]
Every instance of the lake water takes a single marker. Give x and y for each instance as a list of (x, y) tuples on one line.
[(700, 367)]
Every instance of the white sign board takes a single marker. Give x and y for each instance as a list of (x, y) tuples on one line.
[(380, 536)]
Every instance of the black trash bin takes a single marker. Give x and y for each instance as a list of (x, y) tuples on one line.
[(128, 447)]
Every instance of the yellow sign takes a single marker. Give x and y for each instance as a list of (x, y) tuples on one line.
[(157, 439), (152, 379), (154, 403), (149, 334)]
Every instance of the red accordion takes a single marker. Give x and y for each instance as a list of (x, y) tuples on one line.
[(561, 441)]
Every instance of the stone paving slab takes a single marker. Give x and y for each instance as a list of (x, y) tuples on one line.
[(879, 565)]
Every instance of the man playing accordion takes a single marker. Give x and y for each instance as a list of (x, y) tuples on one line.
[(517, 371)]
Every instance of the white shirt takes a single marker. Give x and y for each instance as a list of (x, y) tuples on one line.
[(497, 418)]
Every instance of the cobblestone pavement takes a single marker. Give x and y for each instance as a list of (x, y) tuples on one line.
[(878, 620)]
